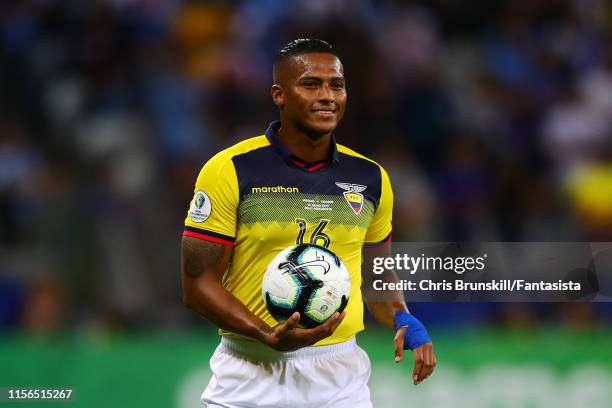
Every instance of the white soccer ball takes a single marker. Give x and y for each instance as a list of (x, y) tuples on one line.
[(309, 279)]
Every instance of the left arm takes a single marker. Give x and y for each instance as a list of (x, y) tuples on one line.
[(393, 313), (382, 310)]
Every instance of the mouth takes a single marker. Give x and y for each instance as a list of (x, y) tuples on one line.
[(324, 113)]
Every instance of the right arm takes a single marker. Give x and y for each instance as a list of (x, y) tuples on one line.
[(203, 264)]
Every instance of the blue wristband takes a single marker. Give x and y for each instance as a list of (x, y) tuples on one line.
[(416, 335)]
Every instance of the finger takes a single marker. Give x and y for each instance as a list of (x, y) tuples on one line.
[(427, 363), (327, 328), (418, 364), (293, 320), (398, 342), (332, 323), (288, 324), (432, 359)]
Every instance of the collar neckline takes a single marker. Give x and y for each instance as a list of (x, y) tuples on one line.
[(281, 149)]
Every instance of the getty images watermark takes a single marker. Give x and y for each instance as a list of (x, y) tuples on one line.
[(493, 271)]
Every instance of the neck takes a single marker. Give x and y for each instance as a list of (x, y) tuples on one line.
[(308, 147)]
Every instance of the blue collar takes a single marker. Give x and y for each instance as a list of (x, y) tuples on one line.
[(271, 134)]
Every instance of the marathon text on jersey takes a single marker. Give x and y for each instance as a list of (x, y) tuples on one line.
[(275, 189)]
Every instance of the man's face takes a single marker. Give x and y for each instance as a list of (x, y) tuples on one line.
[(310, 91)]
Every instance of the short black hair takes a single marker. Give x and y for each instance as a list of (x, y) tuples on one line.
[(302, 46)]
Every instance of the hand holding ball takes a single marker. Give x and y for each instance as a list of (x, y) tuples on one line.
[(308, 279)]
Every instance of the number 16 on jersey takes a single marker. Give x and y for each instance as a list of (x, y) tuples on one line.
[(318, 237)]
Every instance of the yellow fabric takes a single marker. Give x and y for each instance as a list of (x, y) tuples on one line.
[(380, 227), (219, 181), (265, 224)]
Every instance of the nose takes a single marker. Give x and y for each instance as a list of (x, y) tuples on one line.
[(326, 94)]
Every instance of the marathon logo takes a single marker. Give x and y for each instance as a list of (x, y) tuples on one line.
[(275, 189)]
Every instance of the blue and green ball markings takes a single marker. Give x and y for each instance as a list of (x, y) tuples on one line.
[(308, 287)]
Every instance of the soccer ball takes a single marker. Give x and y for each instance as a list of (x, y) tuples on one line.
[(309, 279)]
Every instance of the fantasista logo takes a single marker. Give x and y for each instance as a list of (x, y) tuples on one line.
[(275, 189)]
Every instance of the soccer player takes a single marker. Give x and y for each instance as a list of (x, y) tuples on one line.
[(293, 184)]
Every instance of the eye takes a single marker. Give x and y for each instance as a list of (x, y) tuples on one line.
[(309, 84), (338, 85)]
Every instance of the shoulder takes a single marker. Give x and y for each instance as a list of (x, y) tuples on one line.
[(242, 147), (224, 157), (360, 157)]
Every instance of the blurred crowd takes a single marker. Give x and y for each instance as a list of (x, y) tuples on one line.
[(494, 120)]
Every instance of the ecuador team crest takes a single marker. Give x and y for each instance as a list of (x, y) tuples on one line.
[(353, 195)]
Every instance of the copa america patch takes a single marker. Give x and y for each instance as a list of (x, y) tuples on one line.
[(200, 208)]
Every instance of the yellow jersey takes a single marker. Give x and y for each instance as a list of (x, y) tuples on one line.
[(259, 198)]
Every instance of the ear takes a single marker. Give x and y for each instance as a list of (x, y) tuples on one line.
[(277, 95)]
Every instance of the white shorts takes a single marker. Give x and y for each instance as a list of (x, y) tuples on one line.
[(248, 374)]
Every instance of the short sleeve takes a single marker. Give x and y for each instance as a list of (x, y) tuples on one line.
[(213, 209), (379, 231)]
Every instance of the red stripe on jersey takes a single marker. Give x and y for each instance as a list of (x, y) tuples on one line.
[(317, 167), (380, 244), (386, 242), (208, 238), (296, 162)]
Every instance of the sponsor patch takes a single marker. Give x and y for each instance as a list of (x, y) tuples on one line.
[(201, 207)]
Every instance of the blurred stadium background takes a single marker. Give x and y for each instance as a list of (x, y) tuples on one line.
[(494, 120)]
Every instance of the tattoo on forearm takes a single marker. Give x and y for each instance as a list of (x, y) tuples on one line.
[(198, 255)]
